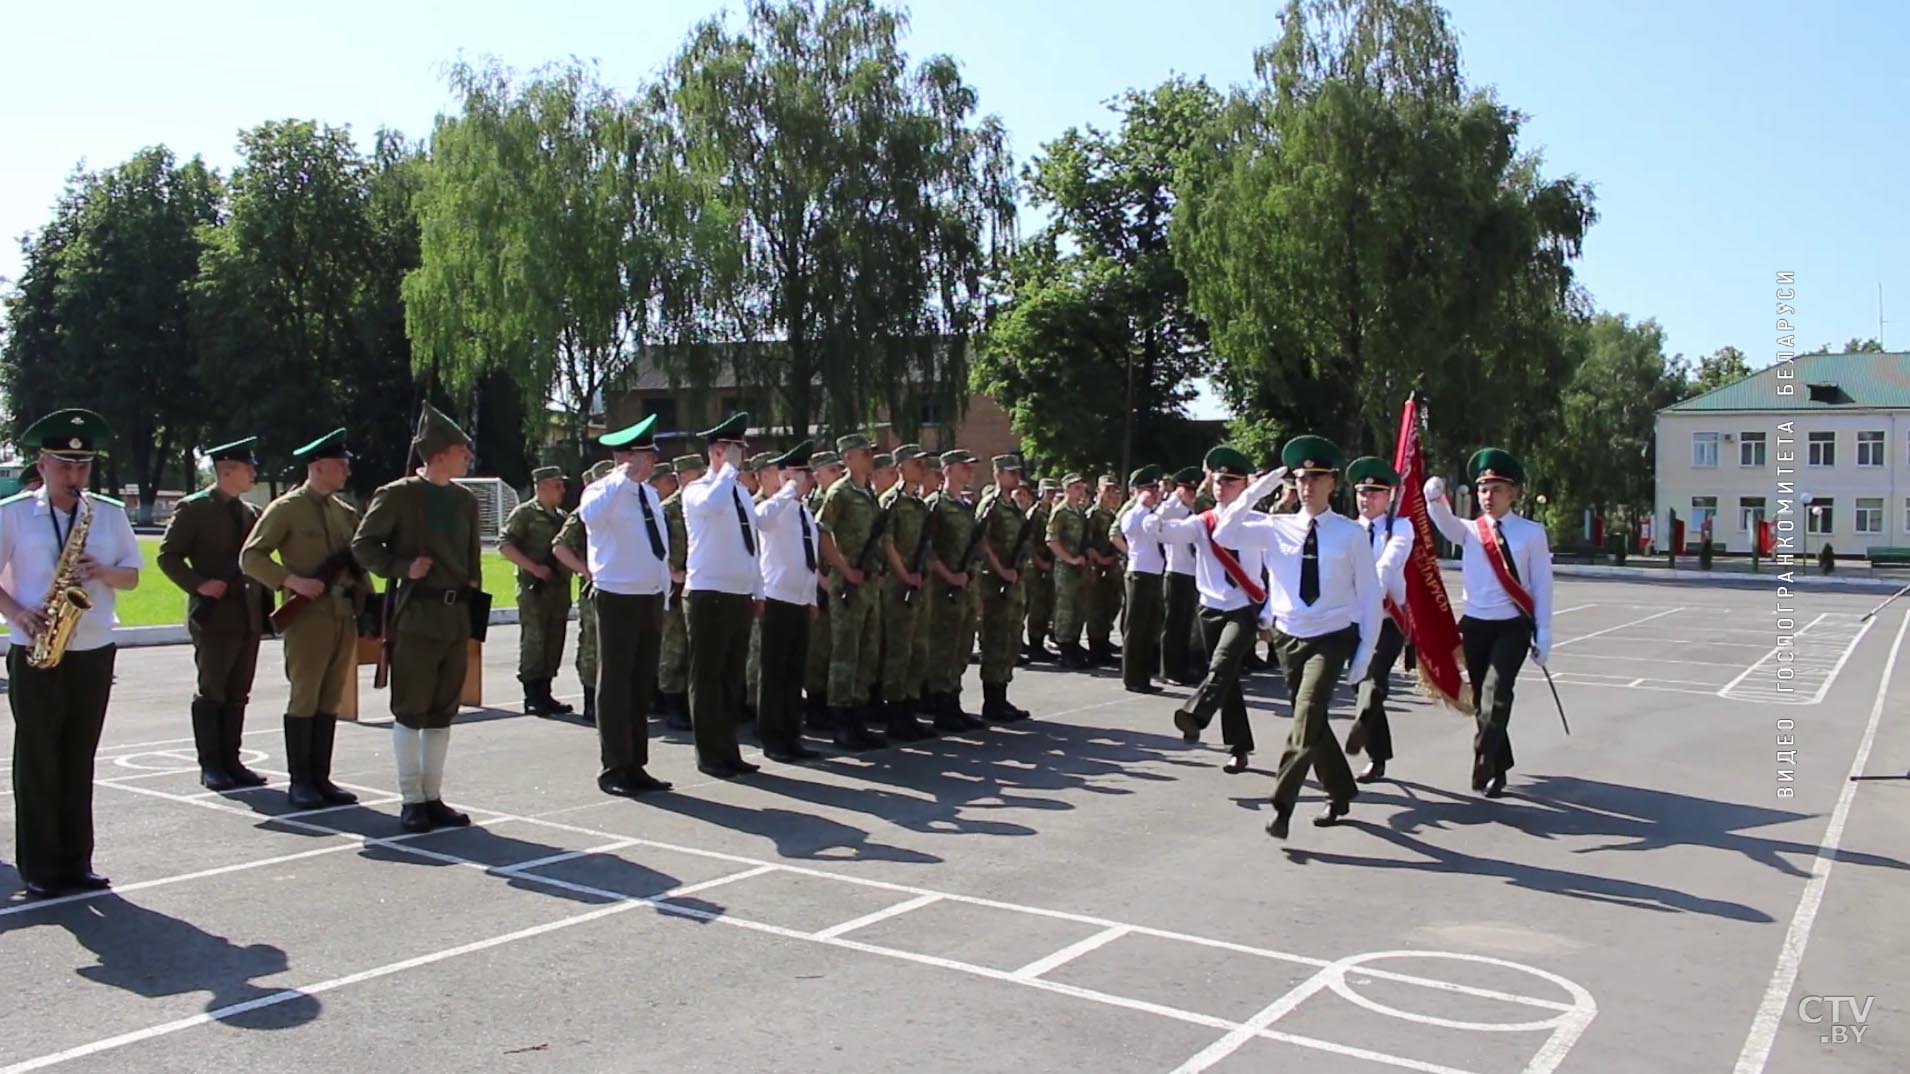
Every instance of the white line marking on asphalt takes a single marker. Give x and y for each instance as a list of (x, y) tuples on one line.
[(883, 914), (1615, 629), (1757, 1045), (1252, 1027), (1071, 952)]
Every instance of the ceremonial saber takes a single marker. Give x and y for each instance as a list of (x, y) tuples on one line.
[(1887, 600), (1554, 687)]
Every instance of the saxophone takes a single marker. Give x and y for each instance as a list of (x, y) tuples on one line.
[(66, 602)]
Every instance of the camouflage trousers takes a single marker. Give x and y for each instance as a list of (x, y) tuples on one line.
[(587, 641), (754, 672), (904, 641), (855, 618), (1070, 602), (1003, 610), (1106, 593), (1038, 593), (542, 621), (815, 679), (954, 615), (673, 668)]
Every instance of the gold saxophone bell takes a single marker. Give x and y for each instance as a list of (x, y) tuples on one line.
[(66, 602)]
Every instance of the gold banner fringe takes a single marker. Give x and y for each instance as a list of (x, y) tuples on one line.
[(1431, 691)]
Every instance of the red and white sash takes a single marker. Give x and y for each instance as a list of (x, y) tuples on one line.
[(1489, 538), (1228, 563)]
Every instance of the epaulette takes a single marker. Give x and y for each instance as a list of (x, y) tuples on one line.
[(202, 494), (23, 494)]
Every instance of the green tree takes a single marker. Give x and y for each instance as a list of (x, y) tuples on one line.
[(1095, 319), (1851, 346), (1602, 454), (866, 210), (34, 374), (1360, 219), (1726, 365)]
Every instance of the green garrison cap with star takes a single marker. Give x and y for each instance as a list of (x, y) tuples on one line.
[(1007, 462), (1146, 475), (957, 456), (730, 430), (1371, 472), (1490, 466), (1311, 455), (932, 463), (825, 458), (599, 469), (545, 473), (1228, 460), (1187, 475), (638, 437), (73, 434), (437, 432), (796, 458), (884, 461), (1073, 478), (853, 442), (684, 463), (759, 460), (663, 469), (329, 446), (905, 452), (235, 451), (1049, 484)]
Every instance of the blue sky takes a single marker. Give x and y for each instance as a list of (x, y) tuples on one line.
[(1726, 141)]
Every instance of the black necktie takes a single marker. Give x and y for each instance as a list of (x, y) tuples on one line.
[(1310, 564), (1505, 550), (650, 525), (808, 543), (1372, 536), (742, 519)]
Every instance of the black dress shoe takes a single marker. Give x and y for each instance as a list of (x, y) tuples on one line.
[(1189, 730), (216, 779), (717, 770), (37, 890), (89, 881), (1331, 814), (444, 816), (1237, 765), (1281, 816), (1375, 770), (644, 781), (413, 817), (743, 767), (1496, 789), (791, 753)]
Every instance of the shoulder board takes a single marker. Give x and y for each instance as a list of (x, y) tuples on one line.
[(201, 495), (98, 498), (23, 494)]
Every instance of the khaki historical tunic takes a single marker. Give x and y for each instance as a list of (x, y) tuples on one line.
[(305, 530)]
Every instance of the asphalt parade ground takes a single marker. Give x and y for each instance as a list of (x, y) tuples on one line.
[(1083, 891)]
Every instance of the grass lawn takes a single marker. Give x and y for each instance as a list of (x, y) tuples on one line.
[(157, 602)]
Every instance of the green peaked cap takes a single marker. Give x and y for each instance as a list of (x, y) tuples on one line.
[(1495, 465), (1311, 455), (1187, 475), (1228, 460), (796, 458), (73, 434), (1146, 475), (235, 451), (636, 437), (731, 428), (1371, 472), (329, 446)]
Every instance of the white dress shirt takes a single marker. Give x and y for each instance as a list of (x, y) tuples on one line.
[(1145, 554), (719, 561), (1175, 522), (29, 552), (617, 543), (1531, 558), (787, 527), (1390, 551)]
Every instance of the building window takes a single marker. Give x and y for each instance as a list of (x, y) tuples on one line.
[(1823, 449), (1751, 449), (1870, 449), (664, 408), (1703, 509), (1704, 449), (1870, 515), (1750, 513), (1818, 517)]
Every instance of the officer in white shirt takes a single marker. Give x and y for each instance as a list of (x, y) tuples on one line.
[(1391, 538), (1231, 598), (1506, 564), (628, 553), (1180, 634), (1146, 595), (1323, 600), (722, 595), (789, 555), (59, 708)]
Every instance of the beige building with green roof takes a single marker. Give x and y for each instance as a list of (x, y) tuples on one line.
[(1819, 444)]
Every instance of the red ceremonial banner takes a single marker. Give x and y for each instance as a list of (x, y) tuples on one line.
[(1430, 624)]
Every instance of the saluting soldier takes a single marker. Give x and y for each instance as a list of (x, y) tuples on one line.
[(826, 469), (722, 594), (1181, 653), (529, 540), (59, 708), (789, 556), (1005, 535), (1391, 539), (1068, 540), (905, 548), (673, 675), (954, 605), (421, 532), (629, 553), (849, 518), (1506, 564), (225, 610), (1147, 562), (573, 550), (1039, 581), (1323, 602), (310, 530)]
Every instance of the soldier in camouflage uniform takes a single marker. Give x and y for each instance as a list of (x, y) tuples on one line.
[(673, 674), (1105, 576), (920, 650), (849, 519), (663, 481), (903, 594), (1068, 542), (572, 549), (1039, 583), (543, 590), (1004, 551), (827, 467), (881, 479), (954, 607)]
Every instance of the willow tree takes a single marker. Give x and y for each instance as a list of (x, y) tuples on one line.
[(867, 209), (1360, 218), (556, 240)]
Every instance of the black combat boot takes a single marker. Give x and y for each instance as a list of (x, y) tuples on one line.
[(901, 723), (550, 701), (304, 794), (590, 705), (533, 698), (324, 732), (206, 741), (231, 739), (995, 704), (851, 732)]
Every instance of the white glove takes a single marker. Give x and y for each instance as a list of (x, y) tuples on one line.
[(1435, 488)]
